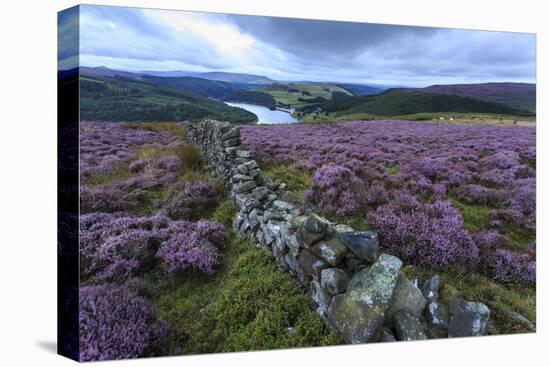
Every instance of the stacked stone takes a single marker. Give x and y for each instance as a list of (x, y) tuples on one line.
[(357, 291)]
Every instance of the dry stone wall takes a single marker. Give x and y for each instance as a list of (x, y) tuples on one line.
[(358, 291)]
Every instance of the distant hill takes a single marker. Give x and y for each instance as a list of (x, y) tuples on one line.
[(360, 89), (104, 98), (236, 92), (395, 102), (216, 75), (236, 77), (518, 95), (103, 71)]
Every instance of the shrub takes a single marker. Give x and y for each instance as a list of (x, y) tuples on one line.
[(191, 200), (432, 234), (114, 246), (115, 323), (101, 198), (509, 266), (192, 245), (335, 190)]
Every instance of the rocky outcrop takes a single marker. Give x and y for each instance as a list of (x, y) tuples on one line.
[(356, 290)]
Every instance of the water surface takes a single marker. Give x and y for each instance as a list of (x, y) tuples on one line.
[(265, 115)]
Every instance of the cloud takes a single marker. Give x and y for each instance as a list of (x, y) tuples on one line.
[(297, 49)]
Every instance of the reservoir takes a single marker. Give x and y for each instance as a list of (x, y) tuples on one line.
[(265, 115)]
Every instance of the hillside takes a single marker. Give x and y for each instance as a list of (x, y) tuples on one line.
[(298, 95), (396, 102), (360, 89), (123, 99), (517, 95)]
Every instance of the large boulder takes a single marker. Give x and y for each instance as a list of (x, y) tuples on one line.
[(363, 244), (408, 327), (334, 280), (467, 318), (406, 297), (332, 251), (359, 313)]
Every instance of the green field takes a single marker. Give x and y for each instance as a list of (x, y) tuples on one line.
[(289, 95)]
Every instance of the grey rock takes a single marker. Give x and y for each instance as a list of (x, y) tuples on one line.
[(342, 228), (406, 297), (242, 153), (387, 335), (240, 162), (283, 206), (291, 330), (255, 172), (319, 297), (358, 314), (408, 327), (431, 288), (244, 186), (240, 177), (260, 193), (311, 263), (245, 202), (273, 227), (297, 222), (232, 133), (274, 214), (313, 230), (355, 265), (252, 164), (467, 318), (334, 280), (232, 142), (291, 262), (437, 315), (332, 250), (293, 244), (254, 223), (317, 224), (242, 169), (230, 151), (363, 244)]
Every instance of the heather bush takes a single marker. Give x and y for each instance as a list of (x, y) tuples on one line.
[(114, 246), (432, 234), (191, 200), (488, 239), (192, 245), (509, 266), (336, 190), (115, 323), (101, 198)]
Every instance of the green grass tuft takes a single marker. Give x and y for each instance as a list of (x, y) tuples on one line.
[(224, 213), (476, 217), (297, 180), (392, 170), (247, 305)]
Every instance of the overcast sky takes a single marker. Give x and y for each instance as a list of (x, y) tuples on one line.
[(295, 49)]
